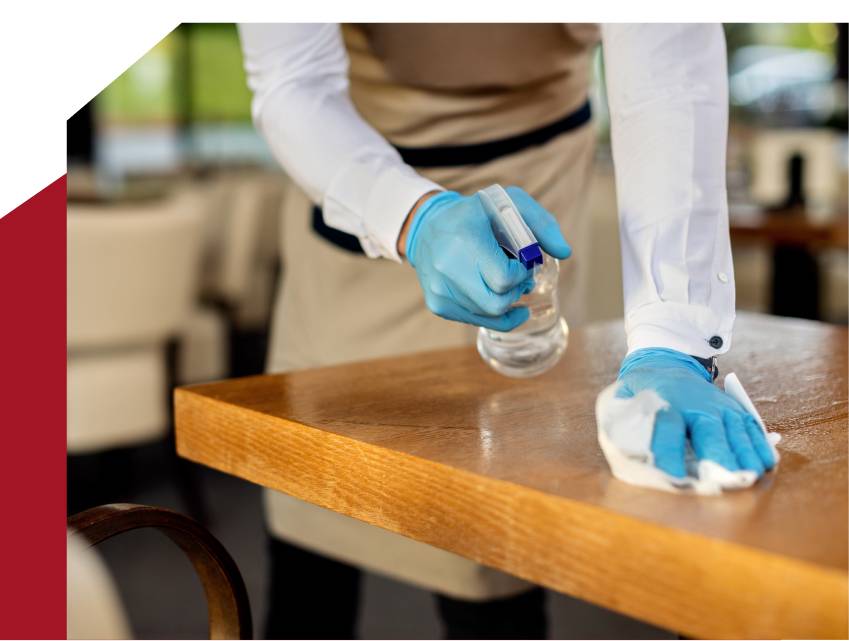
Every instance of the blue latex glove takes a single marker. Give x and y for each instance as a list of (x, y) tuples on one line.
[(463, 272), (718, 427)]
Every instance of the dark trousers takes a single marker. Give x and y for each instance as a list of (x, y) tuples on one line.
[(313, 597)]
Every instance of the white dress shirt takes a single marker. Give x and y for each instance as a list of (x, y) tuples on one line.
[(668, 98)]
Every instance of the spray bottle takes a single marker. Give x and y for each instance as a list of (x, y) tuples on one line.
[(537, 344)]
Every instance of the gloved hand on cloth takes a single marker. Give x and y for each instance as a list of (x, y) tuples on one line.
[(664, 424), (462, 270)]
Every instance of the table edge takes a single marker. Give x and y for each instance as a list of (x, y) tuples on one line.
[(748, 560)]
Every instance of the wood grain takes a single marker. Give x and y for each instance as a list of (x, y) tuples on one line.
[(437, 447)]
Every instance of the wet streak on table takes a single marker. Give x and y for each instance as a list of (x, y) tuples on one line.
[(437, 447)]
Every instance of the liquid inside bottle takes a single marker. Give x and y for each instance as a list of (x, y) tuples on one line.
[(537, 344)]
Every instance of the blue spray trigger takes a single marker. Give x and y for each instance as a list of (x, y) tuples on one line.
[(530, 256)]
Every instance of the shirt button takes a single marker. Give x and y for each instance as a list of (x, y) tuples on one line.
[(723, 277), (715, 342)]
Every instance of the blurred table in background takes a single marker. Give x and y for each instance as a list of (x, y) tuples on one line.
[(790, 227), (794, 238), (83, 187), (437, 447)]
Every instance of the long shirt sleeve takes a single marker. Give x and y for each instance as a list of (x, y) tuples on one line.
[(299, 77), (668, 97)]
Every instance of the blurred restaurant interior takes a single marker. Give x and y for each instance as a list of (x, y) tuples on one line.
[(173, 207)]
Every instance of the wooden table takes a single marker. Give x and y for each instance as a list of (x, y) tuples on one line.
[(795, 241), (792, 227), (437, 447)]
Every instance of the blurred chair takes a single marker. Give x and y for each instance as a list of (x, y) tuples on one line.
[(132, 278), (752, 277), (240, 250), (203, 347), (95, 610), (241, 258), (834, 266), (132, 290), (217, 189)]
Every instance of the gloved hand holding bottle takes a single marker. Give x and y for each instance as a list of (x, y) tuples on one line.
[(463, 272), (717, 426)]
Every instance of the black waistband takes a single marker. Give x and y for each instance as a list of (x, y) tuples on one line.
[(479, 153), (457, 156)]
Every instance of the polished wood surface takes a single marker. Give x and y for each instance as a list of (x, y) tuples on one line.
[(227, 600), (439, 448)]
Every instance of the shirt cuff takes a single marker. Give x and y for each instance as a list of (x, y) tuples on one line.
[(379, 196), (691, 329)]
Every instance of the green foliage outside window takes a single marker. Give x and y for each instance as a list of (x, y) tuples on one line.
[(146, 93), (219, 89), (194, 74)]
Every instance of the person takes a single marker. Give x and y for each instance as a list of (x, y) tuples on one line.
[(389, 131)]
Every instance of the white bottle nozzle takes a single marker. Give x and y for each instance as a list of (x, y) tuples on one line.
[(509, 227)]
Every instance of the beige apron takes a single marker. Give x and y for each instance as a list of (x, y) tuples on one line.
[(335, 306)]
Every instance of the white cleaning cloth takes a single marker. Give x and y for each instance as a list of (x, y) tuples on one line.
[(625, 427)]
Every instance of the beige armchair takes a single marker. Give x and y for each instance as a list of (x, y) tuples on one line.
[(132, 280), (241, 252)]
